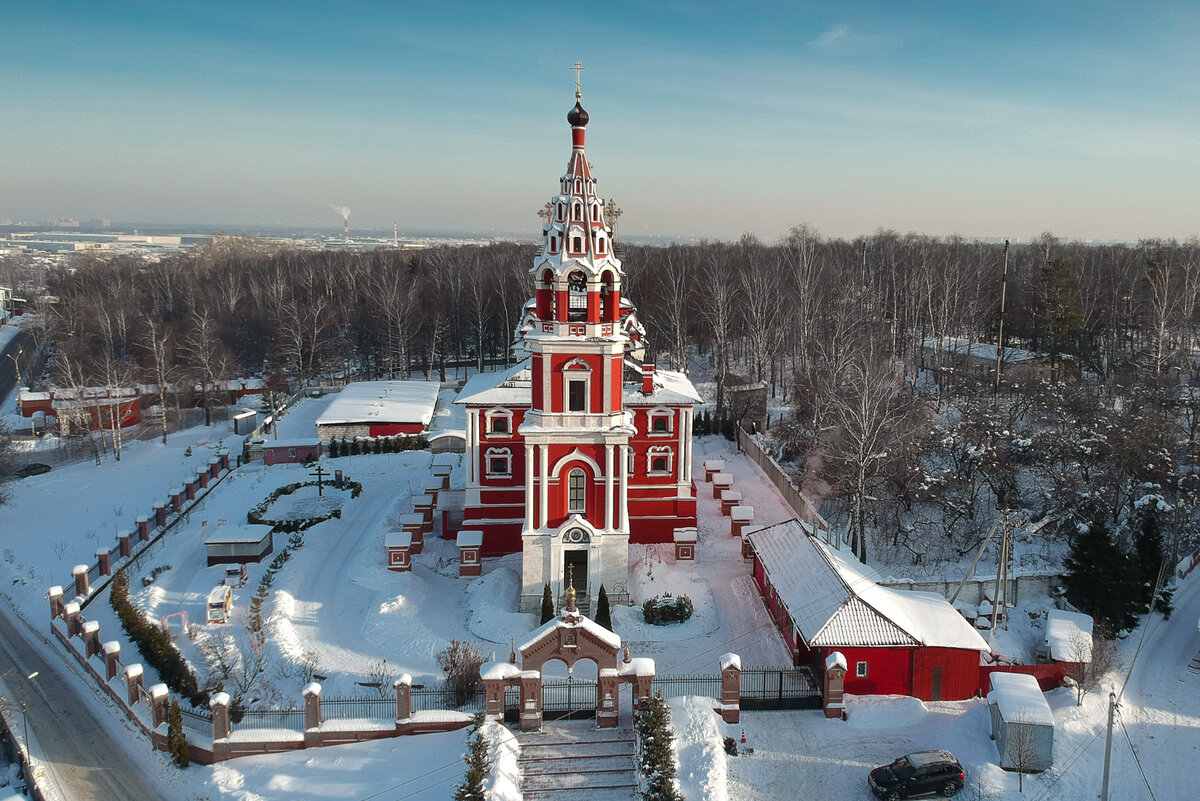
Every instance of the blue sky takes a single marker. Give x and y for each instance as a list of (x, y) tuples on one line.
[(708, 119)]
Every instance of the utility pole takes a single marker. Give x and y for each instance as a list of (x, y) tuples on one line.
[(1000, 338), (999, 595), (1112, 708), (25, 721)]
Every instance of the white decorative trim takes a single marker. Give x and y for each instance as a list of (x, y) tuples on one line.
[(498, 453), (659, 451), (577, 456)]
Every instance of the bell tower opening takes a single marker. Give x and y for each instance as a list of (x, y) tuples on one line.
[(577, 297)]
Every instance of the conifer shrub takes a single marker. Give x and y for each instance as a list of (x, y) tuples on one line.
[(656, 761), (177, 742), (603, 613), (479, 764), (335, 449), (547, 604)]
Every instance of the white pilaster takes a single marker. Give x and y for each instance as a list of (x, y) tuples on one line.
[(625, 488), (544, 500), (528, 487), (608, 486)]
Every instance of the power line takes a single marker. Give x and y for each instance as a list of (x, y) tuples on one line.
[(1136, 760), (413, 779)]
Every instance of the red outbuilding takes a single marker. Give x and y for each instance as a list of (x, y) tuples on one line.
[(896, 642), (291, 451)]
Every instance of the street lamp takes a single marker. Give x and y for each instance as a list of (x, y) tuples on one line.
[(24, 718)]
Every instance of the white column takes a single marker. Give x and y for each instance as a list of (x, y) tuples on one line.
[(681, 451), (625, 488), (688, 416), (544, 500), (472, 446), (608, 486), (528, 487)]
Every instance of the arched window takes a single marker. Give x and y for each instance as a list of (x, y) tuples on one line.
[(578, 185), (576, 212), (660, 420), (576, 296), (595, 213), (577, 492), (559, 211), (600, 245), (554, 244), (658, 461), (499, 463)]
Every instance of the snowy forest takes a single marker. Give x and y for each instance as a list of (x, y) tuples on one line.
[(916, 464)]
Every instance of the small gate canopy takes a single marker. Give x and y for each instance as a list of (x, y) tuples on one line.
[(570, 638)]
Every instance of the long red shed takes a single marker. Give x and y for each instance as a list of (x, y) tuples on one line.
[(896, 642)]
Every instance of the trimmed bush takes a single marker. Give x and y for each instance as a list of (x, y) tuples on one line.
[(154, 644), (667, 609)]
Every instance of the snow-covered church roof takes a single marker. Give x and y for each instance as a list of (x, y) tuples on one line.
[(837, 602), (511, 387)]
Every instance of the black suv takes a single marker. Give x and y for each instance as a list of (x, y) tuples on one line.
[(35, 469), (921, 773)]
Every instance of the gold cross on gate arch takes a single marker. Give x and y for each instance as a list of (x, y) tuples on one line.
[(578, 68)]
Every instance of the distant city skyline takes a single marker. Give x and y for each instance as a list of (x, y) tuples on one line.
[(708, 120)]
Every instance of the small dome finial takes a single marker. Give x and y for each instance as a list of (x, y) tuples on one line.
[(571, 588), (577, 116)]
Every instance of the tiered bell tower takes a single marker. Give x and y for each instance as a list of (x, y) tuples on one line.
[(576, 431)]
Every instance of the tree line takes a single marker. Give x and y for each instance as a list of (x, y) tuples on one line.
[(835, 327)]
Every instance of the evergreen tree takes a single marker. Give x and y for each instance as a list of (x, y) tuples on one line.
[(1102, 580), (1148, 547), (335, 449), (471, 788), (355, 447), (547, 604), (603, 613), (176, 739), (657, 760)]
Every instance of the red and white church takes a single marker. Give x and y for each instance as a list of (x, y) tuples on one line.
[(582, 449)]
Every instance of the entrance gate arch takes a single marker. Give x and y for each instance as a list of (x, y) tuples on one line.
[(569, 638)]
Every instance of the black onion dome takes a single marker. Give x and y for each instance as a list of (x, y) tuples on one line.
[(577, 116)]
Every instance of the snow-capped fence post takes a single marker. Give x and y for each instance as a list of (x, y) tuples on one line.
[(91, 638), (160, 515), (224, 457), (79, 572), (143, 527), (133, 683), (219, 705), (56, 602), (608, 696), (176, 500), (202, 478), (731, 688), (835, 678), (312, 714), (403, 687), (124, 543), (160, 704), (104, 558), (71, 613), (189, 489), (112, 659), (214, 468)]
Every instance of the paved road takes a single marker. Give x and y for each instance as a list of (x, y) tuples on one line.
[(82, 758)]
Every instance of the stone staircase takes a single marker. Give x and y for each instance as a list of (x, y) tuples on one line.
[(574, 760)]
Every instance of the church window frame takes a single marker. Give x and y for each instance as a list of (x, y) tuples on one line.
[(660, 422), (560, 211), (576, 395), (498, 422), (576, 212), (660, 460), (553, 245), (577, 492), (498, 463)]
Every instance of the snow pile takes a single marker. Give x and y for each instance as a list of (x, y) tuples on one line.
[(703, 765), (504, 781)]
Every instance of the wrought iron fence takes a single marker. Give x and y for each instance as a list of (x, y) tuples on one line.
[(675, 686), (794, 688), (441, 696), (358, 708), (197, 721), (292, 719)]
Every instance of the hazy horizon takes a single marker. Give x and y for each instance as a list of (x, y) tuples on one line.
[(707, 121)]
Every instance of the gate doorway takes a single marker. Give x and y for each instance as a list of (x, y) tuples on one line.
[(568, 699)]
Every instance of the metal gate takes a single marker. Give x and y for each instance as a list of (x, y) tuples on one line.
[(568, 699), (794, 688), (512, 704)]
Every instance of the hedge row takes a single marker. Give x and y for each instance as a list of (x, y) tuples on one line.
[(154, 644), (357, 447)]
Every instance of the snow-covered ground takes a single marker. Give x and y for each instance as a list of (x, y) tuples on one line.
[(335, 600)]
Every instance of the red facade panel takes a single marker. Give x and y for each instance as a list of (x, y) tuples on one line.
[(888, 670), (392, 429), (945, 674)]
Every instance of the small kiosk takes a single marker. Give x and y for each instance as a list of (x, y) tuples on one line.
[(219, 604)]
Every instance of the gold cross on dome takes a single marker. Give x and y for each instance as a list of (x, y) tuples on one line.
[(578, 69)]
